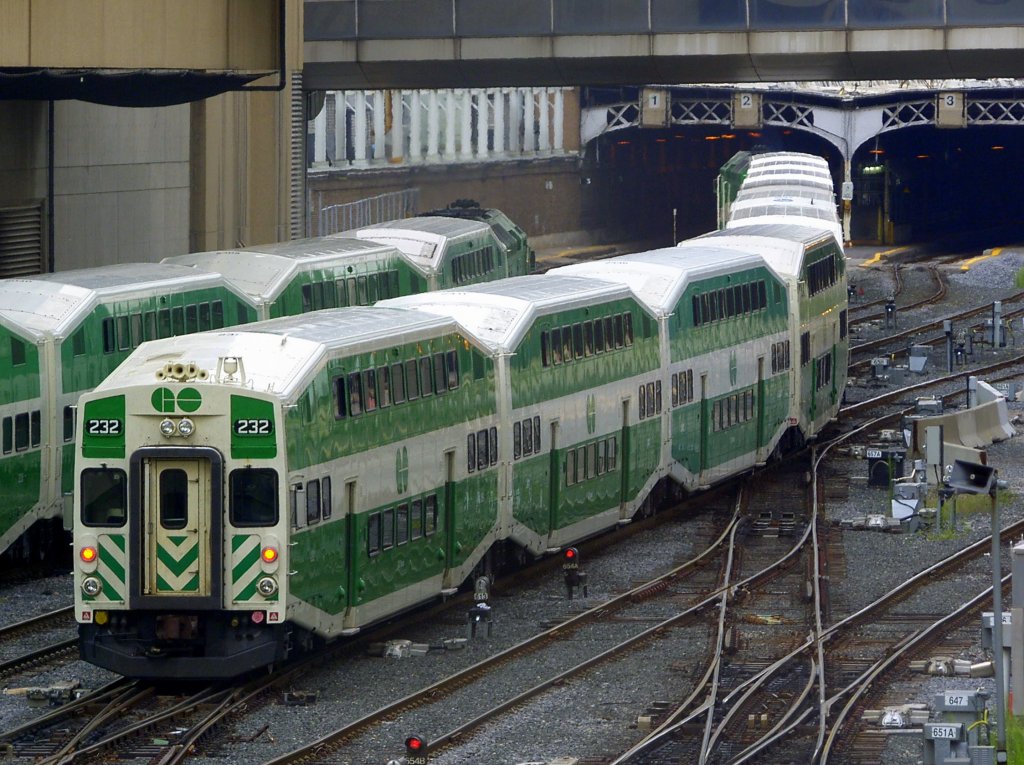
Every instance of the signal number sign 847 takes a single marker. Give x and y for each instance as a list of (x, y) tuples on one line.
[(254, 427)]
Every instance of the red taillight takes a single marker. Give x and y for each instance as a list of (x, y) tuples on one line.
[(269, 555), (87, 554), (258, 617)]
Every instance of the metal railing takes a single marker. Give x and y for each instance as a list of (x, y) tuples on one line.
[(330, 219)]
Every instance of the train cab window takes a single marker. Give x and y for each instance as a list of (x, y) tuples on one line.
[(384, 383), (430, 515), (69, 424), (387, 529), (205, 322), (373, 534), (369, 390), (440, 374), (355, 394), (312, 502), (416, 519), (402, 524), (452, 363), (104, 496), (412, 380), (253, 497), (21, 432), (173, 487), (77, 343), (425, 371), (177, 321), (398, 383), (35, 427), (325, 497), (17, 352), (163, 322), (191, 319), (216, 314), (8, 435)]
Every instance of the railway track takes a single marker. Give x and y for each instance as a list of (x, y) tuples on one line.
[(50, 624)]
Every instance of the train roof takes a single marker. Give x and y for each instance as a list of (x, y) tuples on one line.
[(782, 245), (263, 272), (812, 191), (56, 303), (498, 314), (660, 277), (279, 355), (422, 240)]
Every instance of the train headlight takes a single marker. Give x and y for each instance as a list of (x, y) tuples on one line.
[(266, 586), (167, 428), (87, 554), (92, 586), (186, 427)]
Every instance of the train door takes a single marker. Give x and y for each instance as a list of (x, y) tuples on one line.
[(555, 478), (759, 409), (450, 542), (703, 422), (177, 555), (624, 460)]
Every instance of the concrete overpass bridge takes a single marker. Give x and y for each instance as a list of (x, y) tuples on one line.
[(370, 44)]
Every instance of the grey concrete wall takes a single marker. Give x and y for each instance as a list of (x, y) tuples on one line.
[(121, 183), (22, 151)]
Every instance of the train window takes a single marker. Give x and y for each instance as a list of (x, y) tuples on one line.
[(402, 524), (471, 452), (611, 452), (762, 295), (387, 529), (104, 496), (416, 519), (695, 301), (591, 460), (582, 468), (361, 289), (371, 289), (148, 326), (556, 346), (609, 333), (342, 293), (35, 427), (430, 515), (178, 321), (136, 338), (204, 317), (241, 313), (373, 534), (730, 303), (481, 449), (312, 502), (398, 383), (775, 358), (657, 396), (675, 389), (598, 335), (369, 390), (325, 497), (217, 314), (425, 370), (452, 364), (545, 349), (20, 432), (744, 298), (577, 341), (517, 440), (493, 443), (600, 448), (307, 298), (109, 339), (17, 352), (652, 401), (588, 338), (163, 322), (69, 423), (384, 379), (842, 324), (805, 348), (457, 270), (642, 398), (173, 488), (340, 400), (536, 434), (355, 394), (705, 308), (570, 468), (778, 292), (77, 343), (412, 380), (8, 444), (527, 436), (124, 338), (566, 344), (440, 374), (191, 318), (619, 342), (350, 284)]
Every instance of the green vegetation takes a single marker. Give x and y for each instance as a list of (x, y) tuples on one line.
[(1015, 740), (1019, 278)]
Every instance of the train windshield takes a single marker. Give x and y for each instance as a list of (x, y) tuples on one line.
[(104, 496), (254, 499)]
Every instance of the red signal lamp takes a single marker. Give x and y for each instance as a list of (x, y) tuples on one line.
[(87, 554), (415, 745), (269, 554)]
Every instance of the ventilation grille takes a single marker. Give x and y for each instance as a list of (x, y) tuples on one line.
[(21, 240)]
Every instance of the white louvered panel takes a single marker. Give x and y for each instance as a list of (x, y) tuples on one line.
[(21, 240)]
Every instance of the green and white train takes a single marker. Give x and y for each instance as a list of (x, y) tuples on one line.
[(241, 492), (62, 334)]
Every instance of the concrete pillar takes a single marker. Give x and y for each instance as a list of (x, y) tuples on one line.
[(432, 127), (360, 128), (515, 121), (482, 118), (340, 127), (544, 139), (397, 129), (466, 144), (450, 124), (380, 139), (559, 131), (415, 127), (320, 138), (528, 128), (499, 122)]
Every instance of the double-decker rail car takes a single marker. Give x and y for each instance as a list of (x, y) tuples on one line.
[(62, 334), (274, 280)]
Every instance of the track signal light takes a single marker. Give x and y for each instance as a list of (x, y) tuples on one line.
[(570, 557), (416, 750)]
